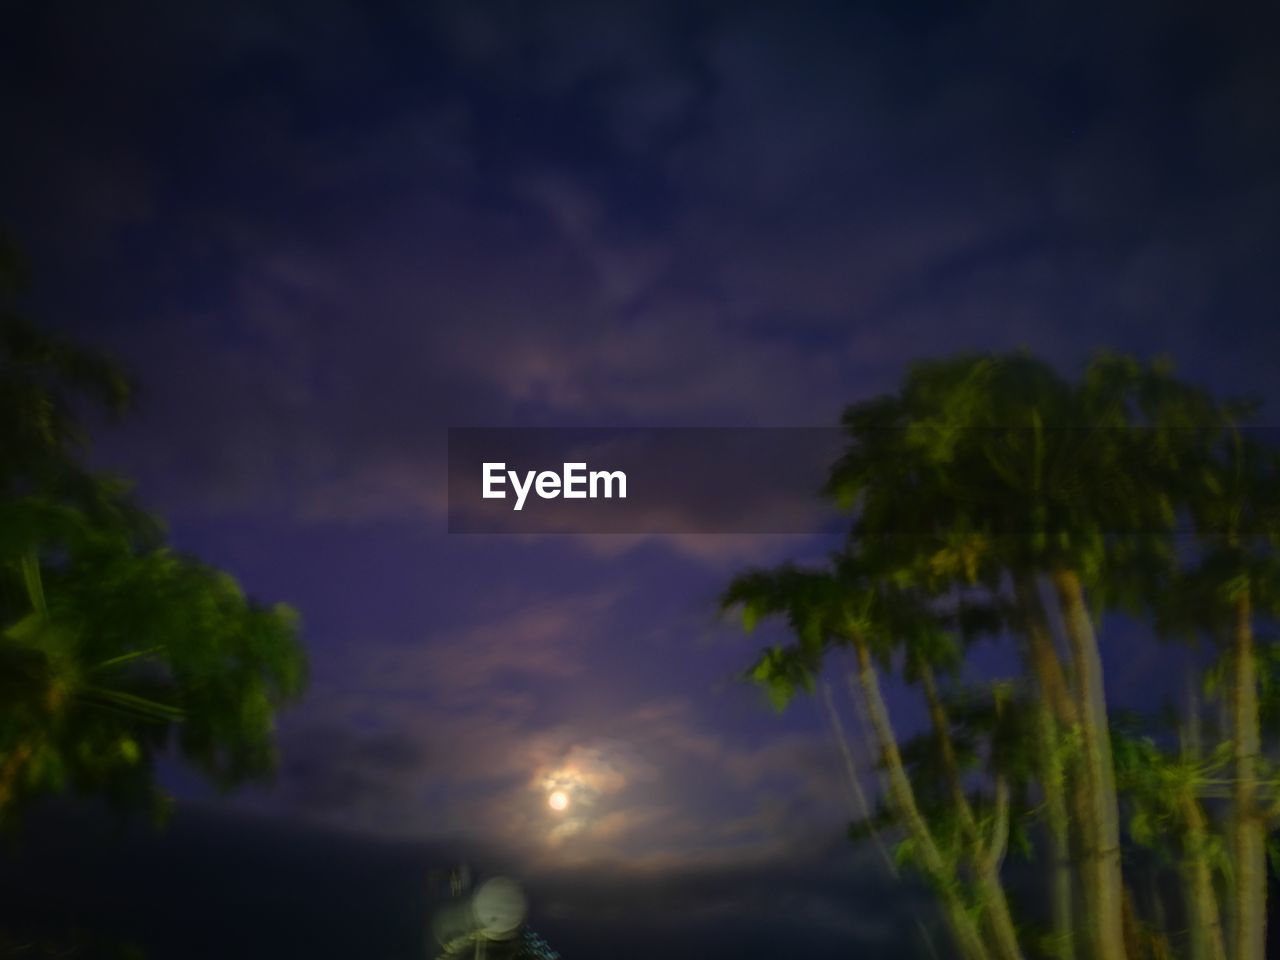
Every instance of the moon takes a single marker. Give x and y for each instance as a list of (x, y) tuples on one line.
[(559, 800)]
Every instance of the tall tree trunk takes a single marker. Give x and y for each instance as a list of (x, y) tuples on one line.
[(1101, 869), (969, 942), (1203, 916), (990, 887), (947, 751), (982, 855), (1055, 712), (861, 805), (1053, 779), (1249, 918)]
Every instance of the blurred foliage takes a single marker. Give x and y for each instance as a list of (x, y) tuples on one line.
[(993, 500), (113, 648)]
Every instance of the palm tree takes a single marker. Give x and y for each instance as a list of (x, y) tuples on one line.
[(1227, 480), (849, 605), (1000, 470), (1164, 790), (1237, 578), (1054, 501)]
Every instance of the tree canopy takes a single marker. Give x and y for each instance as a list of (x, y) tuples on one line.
[(993, 499), (114, 648)]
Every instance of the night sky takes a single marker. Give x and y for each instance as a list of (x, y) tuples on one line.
[(322, 233)]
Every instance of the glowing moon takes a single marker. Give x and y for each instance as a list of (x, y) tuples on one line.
[(559, 800)]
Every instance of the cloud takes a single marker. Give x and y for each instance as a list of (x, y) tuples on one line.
[(470, 737), (761, 219), (542, 640)]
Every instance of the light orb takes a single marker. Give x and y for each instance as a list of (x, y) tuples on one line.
[(559, 800)]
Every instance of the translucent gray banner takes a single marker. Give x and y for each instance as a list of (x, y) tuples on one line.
[(641, 480), (770, 480)]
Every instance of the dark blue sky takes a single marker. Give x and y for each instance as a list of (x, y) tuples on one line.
[(321, 233)]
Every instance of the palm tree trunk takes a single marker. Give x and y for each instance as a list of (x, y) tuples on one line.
[(1203, 916), (1054, 712), (868, 739), (969, 943), (984, 862), (1053, 784), (990, 888), (1249, 918), (947, 750), (1101, 869), (861, 805)]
